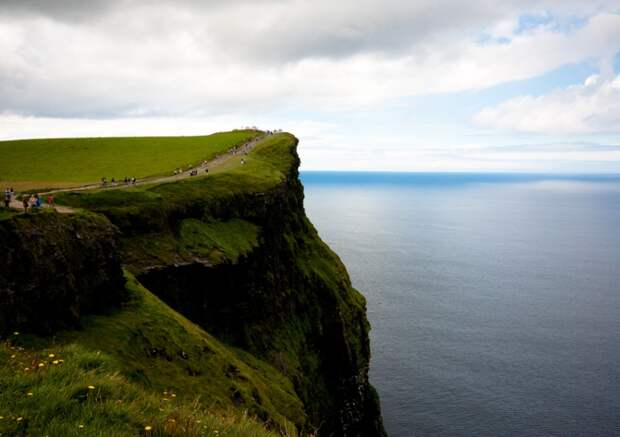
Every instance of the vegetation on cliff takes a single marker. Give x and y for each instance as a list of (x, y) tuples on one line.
[(144, 365), (234, 253)]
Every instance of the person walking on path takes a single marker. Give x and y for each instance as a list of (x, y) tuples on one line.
[(25, 203), (7, 198), (50, 201)]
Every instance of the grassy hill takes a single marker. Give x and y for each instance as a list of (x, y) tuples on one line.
[(67, 162), (144, 366)]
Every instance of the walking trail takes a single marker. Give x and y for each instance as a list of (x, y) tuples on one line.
[(217, 162)]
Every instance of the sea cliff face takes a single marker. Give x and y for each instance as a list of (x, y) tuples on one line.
[(289, 301), (235, 254)]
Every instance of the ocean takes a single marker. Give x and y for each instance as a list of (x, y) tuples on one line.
[(494, 299)]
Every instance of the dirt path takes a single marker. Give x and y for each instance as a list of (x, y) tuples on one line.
[(185, 174), (17, 204)]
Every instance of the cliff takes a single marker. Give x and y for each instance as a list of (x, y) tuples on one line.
[(235, 254), (286, 299)]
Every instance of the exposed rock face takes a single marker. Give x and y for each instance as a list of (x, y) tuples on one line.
[(289, 302), (54, 268)]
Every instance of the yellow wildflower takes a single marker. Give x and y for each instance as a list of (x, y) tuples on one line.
[(51, 355), (19, 419), (41, 364), (29, 393), (61, 360), (16, 333), (148, 428), (55, 362), (26, 369), (80, 426), (91, 387)]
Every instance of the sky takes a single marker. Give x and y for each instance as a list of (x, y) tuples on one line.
[(366, 85)]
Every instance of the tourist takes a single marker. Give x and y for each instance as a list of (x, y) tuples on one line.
[(50, 201), (7, 198), (35, 202), (25, 202)]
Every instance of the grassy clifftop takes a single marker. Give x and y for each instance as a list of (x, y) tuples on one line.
[(257, 316), (66, 162)]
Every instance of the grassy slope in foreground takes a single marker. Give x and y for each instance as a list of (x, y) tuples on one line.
[(57, 163), (147, 366)]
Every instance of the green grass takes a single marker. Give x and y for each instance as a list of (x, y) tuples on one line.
[(7, 213), (148, 207), (266, 165), (149, 366), (219, 240), (215, 241), (53, 163), (144, 212)]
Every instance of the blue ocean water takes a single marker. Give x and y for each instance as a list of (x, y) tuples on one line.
[(494, 299)]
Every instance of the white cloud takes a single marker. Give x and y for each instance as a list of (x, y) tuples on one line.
[(191, 59), (593, 107)]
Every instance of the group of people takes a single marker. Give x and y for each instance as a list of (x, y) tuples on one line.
[(30, 202), (34, 202), (8, 196), (192, 172), (179, 171), (114, 182)]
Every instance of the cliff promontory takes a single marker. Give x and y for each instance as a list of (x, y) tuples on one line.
[(231, 296)]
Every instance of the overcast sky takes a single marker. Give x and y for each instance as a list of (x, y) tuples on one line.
[(415, 85)]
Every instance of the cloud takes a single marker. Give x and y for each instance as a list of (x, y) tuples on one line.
[(593, 107), (124, 58)]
